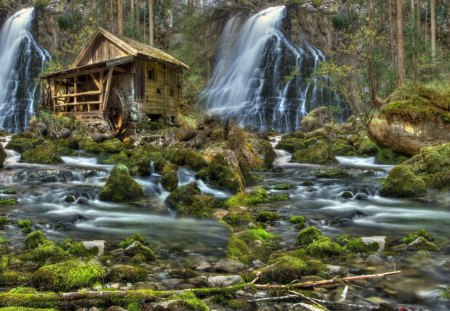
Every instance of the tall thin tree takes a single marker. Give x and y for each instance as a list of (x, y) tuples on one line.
[(400, 45), (433, 28), (120, 17), (151, 26)]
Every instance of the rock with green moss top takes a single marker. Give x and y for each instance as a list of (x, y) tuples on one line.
[(274, 197), (127, 273), (252, 235), (3, 263), (47, 251), (341, 147), (413, 236), (186, 157), (45, 153), (185, 301), (121, 186), (238, 249), (131, 239), (402, 182), (308, 235), (316, 119), (10, 278), (290, 144), (137, 248), (387, 156), (324, 247), (25, 309), (110, 146), (238, 218), (368, 148), (285, 270), (445, 294), (267, 216), (79, 249), (423, 244), (188, 201), (8, 201), (357, 245), (298, 221), (23, 142), (257, 196), (134, 306), (318, 153), (34, 239), (24, 223), (266, 152), (220, 174), (283, 187), (68, 275), (169, 178)]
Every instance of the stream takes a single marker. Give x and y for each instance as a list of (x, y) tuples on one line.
[(61, 200)]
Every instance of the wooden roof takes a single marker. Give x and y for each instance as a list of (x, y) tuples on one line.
[(105, 46)]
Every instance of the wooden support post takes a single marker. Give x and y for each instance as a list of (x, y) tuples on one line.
[(108, 88), (75, 91)]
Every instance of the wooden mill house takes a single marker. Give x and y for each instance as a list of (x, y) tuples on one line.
[(117, 81)]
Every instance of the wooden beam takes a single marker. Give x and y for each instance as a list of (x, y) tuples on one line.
[(77, 94), (79, 103), (108, 89), (97, 83), (75, 90)]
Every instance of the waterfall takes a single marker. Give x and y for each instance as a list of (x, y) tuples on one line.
[(261, 79), (22, 59)]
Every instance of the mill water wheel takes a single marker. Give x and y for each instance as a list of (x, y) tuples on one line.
[(115, 112)]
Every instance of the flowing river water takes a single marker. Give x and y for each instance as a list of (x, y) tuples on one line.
[(62, 201)]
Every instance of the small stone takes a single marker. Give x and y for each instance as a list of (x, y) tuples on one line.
[(229, 266), (224, 280), (422, 243), (257, 263), (100, 244), (333, 270), (115, 308), (399, 248), (172, 283), (115, 285), (82, 201), (361, 197), (203, 266), (374, 260), (381, 240), (93, 309), (69, 199), (347, 195), (307, 307), (258, 243), (198, 281)]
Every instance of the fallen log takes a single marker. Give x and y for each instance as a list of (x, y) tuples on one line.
[(50, 299)]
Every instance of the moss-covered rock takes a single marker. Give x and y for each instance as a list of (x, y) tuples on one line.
[(257, 234), (121, 186), (11, 278), (127, 273), (45, 153), (238, 217), (48, 251), (68, 275), (23, 142), (34, 239), (238, 249), (109, 146), (255, 197), (341, 147), (220, 174), (317, 118), (324, 247), (290, 144), (137, 237), (401, 182), (422, 243), (137, 248), (285, 270), (78, 249), (367, 147), (298, 221), (308, 235), (8, 201), (387, 156), (357, 245), (169, 178), (188, 201), (318, 153), (413, 236), (267, 216)]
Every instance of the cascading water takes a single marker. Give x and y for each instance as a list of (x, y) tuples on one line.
[(22, 60), (261, 79)]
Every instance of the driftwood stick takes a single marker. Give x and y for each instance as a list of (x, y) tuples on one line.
[(314, 301)]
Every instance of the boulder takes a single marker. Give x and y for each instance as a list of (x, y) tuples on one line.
[(121, 186), (100, 244), (224, 280), (317, 118), (402, 182), (229, 266), (45, 153)]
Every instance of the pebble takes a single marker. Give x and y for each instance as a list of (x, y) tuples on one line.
[(257, 263), (229, 266), (374, 260), (381, 240), (224, 280), (172, 283), (333, 270), (203, 266), (115, 285)]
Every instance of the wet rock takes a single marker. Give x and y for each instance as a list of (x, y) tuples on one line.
[(82, 201), (172, 283), (93, 309), (374, 260), (203, 266), (306, 307), (422, 243), (402, 182), (347, 195), (224, 280), (381, 240), (361, 197), (115, 308), (45, 153), (229, 266), (316, 119), (198, 281), (121, 186), (257, 263), (137, 248), (100, 244), (333, 270), (69, 199)]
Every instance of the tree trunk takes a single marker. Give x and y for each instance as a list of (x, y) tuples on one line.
[(433, 28), (138, 16), (151, 30), (400, 45), (120, 17), (392, 31)]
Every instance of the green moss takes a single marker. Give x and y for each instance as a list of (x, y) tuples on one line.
[(110, 146), (8, 191), (25, 223), (387, 156), (126, 273), (297, 220), (332, 173), (220, 173), (238, 218), (134, 306), (121, 186), (3, 263), (139, 249), (367, 148), (24, 309), (279, 197), (267, 216), (8, 201), (251, 235), (413, 236), (47, 251), (131, 239), (21, 143), (188, 201), (341, 147), (34, 239), (401, 182), (290, 144), (68, 275), (445, 294), (169, 178), (358, 246), (283, 187), (423, 244), (3, 221), (45, 153), (308, 235), (258, 196), (192, 302), (14, 278), (238, 249), (78, 249), (324, 247), (285, 270), (318, 153)]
